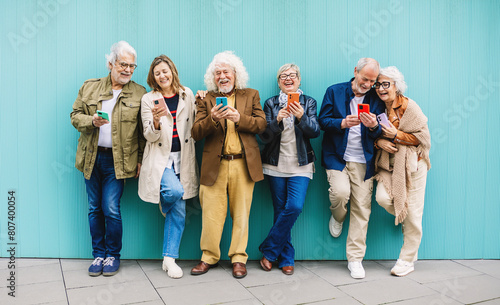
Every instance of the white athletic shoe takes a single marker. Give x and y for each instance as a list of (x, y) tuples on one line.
[(402, 268), (173, 270), (357, 270), (335, 227)]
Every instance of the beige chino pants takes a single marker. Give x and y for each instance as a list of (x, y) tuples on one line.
[(412, 225), (345, 185), (234, 184)]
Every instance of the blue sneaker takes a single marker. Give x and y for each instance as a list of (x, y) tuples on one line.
[(111, 266), (96, 268)]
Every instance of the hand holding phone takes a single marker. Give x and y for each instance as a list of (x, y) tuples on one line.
[(363, 108), (103, 115), (223, 101)]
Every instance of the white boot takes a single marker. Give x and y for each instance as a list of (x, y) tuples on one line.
[(173, 270)]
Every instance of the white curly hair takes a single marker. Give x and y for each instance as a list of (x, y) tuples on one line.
[(226, 57), (399, 80)]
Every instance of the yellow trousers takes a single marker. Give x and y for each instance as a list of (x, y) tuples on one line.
[(234, 184)]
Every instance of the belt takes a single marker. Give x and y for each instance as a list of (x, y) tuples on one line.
[(232, 157), (104, 149)]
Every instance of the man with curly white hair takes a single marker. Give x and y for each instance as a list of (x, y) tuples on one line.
[(231, 161), (109, 150)]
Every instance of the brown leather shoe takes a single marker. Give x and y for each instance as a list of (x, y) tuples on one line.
[(239, 270), (266, 264), (288, 270), (202, 268)]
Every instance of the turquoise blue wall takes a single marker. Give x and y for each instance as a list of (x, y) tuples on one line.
[(448, 50)]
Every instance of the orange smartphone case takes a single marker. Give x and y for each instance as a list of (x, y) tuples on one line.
[(363, 108), (292, 97)]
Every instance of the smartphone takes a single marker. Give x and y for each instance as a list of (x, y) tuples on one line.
[(382, 119), (160, 103), (292, 97), (103, 114), (363, 108), (221, 100)]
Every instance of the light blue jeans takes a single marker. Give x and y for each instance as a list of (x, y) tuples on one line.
[(174, 208)]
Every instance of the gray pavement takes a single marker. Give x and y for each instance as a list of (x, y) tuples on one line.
[(65, 281)]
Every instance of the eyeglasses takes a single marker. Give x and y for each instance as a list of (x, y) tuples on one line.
[(291, 75), (125, 65), (384, 85)]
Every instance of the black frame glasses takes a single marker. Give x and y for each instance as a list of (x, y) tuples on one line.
[(291, 75), (385, 85)]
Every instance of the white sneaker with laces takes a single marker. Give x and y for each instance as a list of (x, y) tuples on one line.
[(402, 268), (357, 270), (335, 227), (173, 270)]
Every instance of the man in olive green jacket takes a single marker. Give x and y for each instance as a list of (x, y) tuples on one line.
[(109, 150)]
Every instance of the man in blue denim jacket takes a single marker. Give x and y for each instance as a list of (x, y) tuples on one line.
[(348, 151)]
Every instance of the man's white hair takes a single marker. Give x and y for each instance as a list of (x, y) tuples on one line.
[(117, 50), (398, 78), (226, 57)]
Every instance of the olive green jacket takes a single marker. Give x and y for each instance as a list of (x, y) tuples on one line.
[(127, 138)]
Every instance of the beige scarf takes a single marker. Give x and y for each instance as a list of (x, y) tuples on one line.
[(397, 178)]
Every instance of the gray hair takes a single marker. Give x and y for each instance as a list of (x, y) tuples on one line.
[(228, 58), (289, 66), (362, 62), (117, 50), (398, 78)]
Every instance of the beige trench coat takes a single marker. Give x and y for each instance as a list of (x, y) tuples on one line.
[(159, 144)]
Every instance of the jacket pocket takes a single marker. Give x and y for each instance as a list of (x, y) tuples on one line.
[(130, 111), (90, 106)]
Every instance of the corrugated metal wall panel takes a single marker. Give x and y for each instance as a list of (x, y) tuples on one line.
[(448, 52)]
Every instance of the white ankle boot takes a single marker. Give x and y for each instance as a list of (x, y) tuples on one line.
[(173, 270)]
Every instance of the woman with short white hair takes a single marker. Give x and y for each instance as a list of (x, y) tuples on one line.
[(402, 163)]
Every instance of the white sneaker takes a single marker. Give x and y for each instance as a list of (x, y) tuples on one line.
[(335, 227), (402, 268), (173, 270), (357, 271)]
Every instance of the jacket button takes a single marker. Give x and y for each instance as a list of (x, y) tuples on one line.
[(186, 140), (159, 144)]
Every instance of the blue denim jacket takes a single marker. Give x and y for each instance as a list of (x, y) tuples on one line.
[(335, 107), (306, 129)]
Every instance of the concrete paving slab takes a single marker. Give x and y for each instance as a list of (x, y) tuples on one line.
[(297, 290), (217, 292), (160, 279), (429, 271), (336, 301), (336, 272), (386, 290), (38, 293), (75, 264), (114, 293), (129, 271), (490, 267), (468, 290), (434, 299), (258, 277), (39, 273)]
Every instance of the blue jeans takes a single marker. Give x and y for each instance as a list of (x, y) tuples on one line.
[(104, 192), (288, 196), (174, 208)]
